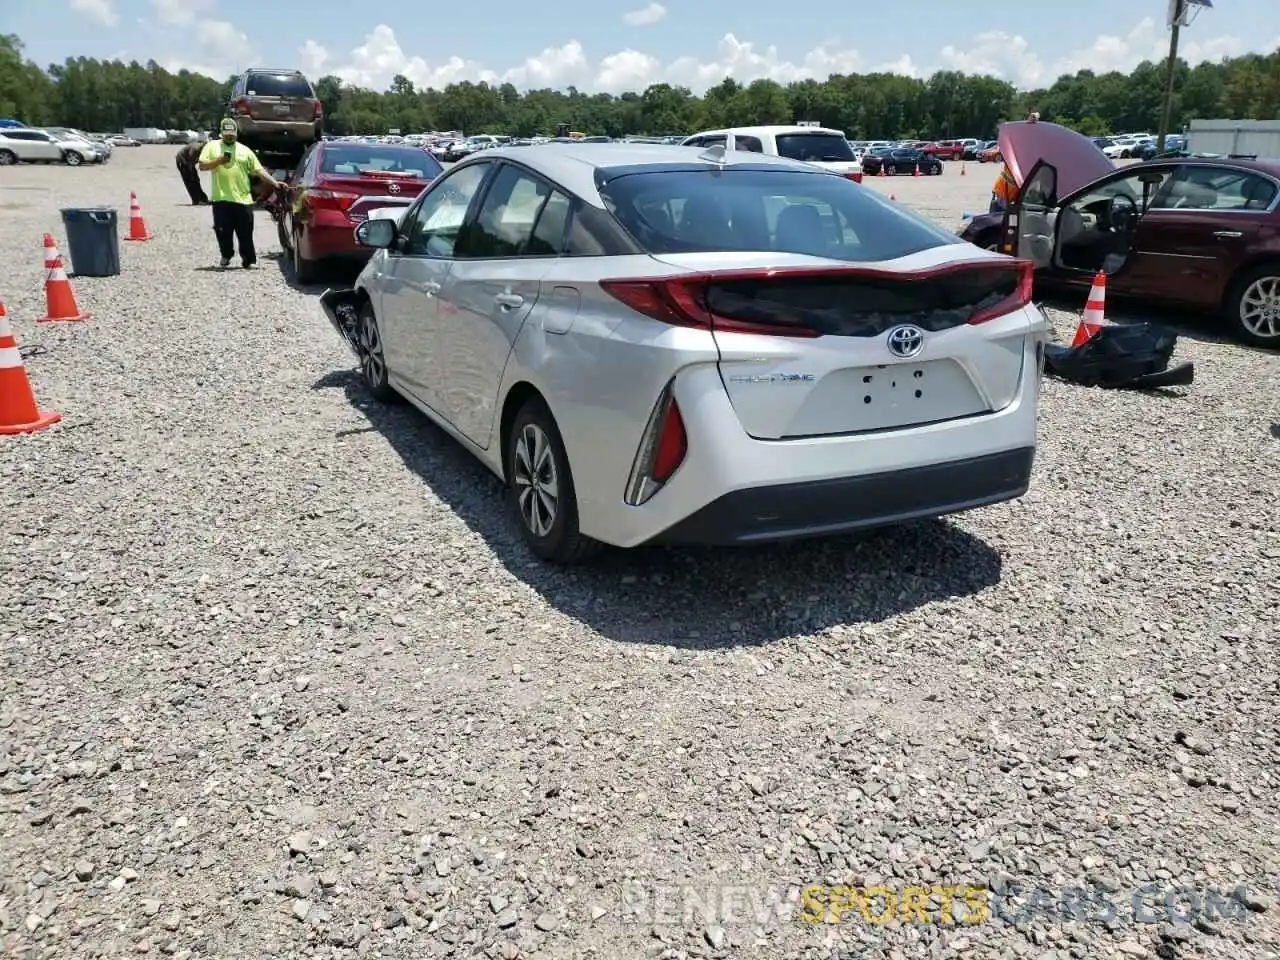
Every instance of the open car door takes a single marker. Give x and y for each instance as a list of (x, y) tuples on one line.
[(1029, 224)]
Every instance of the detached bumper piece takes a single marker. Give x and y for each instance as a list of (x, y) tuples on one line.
[(342, 307), (1129, 356), (820, 508)]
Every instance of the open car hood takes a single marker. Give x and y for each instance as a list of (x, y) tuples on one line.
[(1078, 160)]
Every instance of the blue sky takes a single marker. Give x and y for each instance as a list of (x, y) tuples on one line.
[(600, 45)]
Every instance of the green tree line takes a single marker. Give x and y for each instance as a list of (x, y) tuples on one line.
[(108, 96)]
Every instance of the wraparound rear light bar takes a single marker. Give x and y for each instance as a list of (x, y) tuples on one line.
[(680, 300), (663, 446)]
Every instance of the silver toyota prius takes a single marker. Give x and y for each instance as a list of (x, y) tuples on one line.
[(652, 344)]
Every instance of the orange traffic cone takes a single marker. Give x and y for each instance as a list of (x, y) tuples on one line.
[(962, 168), (917, 173), (1092, 320), (883, 171), (60, 302), (18, 410), (137, 226)]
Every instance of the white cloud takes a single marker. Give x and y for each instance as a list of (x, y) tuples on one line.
[(380, 57), (1010, 56), (644, 15), (99, 11), (180, 12)]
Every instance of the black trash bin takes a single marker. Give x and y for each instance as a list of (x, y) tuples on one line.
[(93, 241)]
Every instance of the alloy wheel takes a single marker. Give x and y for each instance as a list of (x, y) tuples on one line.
[(536, 483), (372, 363), (1260, 308)]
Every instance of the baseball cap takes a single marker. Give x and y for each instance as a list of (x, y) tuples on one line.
[(227, 126)]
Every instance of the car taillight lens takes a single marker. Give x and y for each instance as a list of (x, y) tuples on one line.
[(330, 200), (242, 106), (663, 447), (1020, 297), (679, 301), (319, 109), (855, 177)]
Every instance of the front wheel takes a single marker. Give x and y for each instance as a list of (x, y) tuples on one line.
[(373, 358), (1253, 308), (8, 158), (72, 159), (540, 488)]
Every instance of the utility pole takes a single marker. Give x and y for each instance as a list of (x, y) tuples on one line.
[(1179, 8)]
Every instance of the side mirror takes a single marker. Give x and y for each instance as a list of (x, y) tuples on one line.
[(379, 234)]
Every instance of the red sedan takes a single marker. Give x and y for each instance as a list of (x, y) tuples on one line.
[(336, 186)]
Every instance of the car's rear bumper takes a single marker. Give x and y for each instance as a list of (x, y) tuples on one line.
[(332, 241), (790, 511), (278, 133), (734, 488)]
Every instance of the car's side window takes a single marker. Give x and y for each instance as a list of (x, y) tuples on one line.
[(437, 222), (1221, 188), (504, 225), (747, 144), (548, 233)]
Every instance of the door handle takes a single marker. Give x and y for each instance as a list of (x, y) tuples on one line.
[(1228, 234), (508, 301), (431, 288)]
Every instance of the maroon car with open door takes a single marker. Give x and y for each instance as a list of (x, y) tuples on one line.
[(1195, 232), (336, 187)]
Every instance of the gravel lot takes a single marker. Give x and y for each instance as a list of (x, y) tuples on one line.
[(277, 679)]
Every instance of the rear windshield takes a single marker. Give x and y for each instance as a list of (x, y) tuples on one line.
[(782, 211), (811, 147), (353, 161), (277, 85)]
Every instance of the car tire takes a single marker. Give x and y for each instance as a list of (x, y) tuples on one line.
[(373, 360), (305, 272), (890, 170), (282, 234), (535, 461), (72, 159), (8, 158), (1254, 305)]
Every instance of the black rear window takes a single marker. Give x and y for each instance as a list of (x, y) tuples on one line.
[(277, 85), (811, 147), (783, 211), (355, 160)]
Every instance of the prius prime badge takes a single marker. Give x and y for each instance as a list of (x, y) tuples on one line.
[(905, 341)]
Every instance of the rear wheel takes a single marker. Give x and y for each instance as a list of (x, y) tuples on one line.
[(540, 488), (305, 271), (1253, 308), (8, 158)]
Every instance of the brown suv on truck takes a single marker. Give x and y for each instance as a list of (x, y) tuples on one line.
[(277, 111)]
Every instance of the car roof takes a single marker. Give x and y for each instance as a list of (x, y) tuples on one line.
[(276, 70), (1269, 167), (773, 130), (574, 165)]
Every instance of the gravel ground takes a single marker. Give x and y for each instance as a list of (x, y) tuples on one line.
[(279, 681)]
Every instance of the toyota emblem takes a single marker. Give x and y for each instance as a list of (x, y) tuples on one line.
[(393, 188), (906, 341)]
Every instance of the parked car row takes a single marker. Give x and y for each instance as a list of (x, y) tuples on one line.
[(20, 144)]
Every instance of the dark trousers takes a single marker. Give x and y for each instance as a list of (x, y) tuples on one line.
[(232, 225), (191, 180)]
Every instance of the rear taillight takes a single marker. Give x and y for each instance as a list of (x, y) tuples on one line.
[(663, 446), (1020, 297), (318, 110), (855, 177), (330, 200), (680, 302), (242, 106)]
